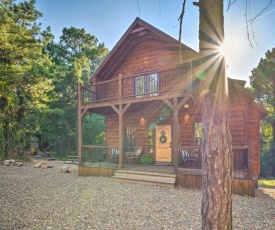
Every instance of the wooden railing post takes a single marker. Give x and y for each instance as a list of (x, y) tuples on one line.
[(79, 124), (120, 88)]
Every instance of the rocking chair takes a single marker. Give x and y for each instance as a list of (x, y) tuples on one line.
[(135, 154)]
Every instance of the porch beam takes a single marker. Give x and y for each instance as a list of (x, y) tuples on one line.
[(83, 112), (183, 101), (167, 102), (115, 109), (126, 107)]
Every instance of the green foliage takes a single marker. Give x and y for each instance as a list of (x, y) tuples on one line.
[(146, 159), (262, 83), (38, 80), (270, 182), (23, 81), (76, 56), (94, 129)]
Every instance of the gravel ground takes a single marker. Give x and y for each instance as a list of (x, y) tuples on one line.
[(34, 198)]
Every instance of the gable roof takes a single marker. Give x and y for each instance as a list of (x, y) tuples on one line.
[(137, 32)]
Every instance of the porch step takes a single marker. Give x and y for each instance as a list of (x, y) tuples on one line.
[(145, 177), (159, 163)]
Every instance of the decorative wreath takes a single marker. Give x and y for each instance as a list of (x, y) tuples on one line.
[(162, 139)]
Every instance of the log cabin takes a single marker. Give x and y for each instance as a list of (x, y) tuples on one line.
[(148, 90)]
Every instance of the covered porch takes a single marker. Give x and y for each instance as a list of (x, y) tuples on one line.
[(135, 106), (102, 157)]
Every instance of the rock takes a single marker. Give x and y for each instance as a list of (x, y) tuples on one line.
[(7, 162), (71, 170), (18, 163), (12, 161), (65, 169), (44, 166), (50, 166), (38, 165)]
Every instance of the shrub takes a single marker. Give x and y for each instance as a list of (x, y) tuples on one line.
[(146, 159)]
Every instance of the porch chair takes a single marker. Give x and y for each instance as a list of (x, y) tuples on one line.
[(187, 156), (114, 154), (135, 154)]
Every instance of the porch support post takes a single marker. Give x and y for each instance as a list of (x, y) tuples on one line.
[(79, 124), (120, 111), (175, 135), (120, 117), (120, 133), (175, 107)]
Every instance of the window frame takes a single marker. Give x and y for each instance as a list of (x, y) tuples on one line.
[(198, 134), (143, 86), (129, 138)]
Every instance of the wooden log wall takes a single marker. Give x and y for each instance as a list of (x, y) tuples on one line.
[(133, 119), (240, 186), (237, 113), (253, 133), (97, 172), (149, 56), (187, 122)]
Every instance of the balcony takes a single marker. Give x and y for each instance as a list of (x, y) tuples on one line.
[(146, 86)]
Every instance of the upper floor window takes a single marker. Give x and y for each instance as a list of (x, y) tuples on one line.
[(198, 133), (147, 85)]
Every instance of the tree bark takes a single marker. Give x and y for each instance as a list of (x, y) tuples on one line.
[(217, 147)]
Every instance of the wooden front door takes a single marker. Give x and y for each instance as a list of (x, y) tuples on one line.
[(163, 143)]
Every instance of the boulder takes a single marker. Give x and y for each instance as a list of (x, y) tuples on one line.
[(71, 170), (18, 163), (38, 165), (7, 162), (44, 166), (50, 166), (65, 169)]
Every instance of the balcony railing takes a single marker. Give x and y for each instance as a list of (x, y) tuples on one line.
[(126, 87)]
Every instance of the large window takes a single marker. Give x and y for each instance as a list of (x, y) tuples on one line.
[(198, 133), (147, 85), (129, 139)]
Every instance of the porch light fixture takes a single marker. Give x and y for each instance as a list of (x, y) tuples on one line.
[(186, 107)]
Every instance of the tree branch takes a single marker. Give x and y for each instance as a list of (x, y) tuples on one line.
[(180, 19)]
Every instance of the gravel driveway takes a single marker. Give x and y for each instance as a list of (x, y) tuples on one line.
[(35, 198)]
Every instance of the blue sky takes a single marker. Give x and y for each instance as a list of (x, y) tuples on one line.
[(109, 19)]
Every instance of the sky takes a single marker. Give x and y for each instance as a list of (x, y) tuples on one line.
[(108, 20)]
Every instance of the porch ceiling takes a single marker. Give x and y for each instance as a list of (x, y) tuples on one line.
[(138, 107)]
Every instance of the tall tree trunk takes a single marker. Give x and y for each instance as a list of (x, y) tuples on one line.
[(217, 150)]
